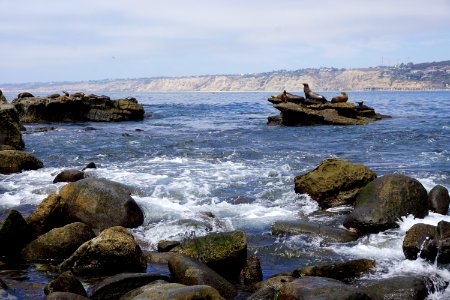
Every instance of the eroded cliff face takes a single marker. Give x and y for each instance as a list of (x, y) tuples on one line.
[(403, 77)]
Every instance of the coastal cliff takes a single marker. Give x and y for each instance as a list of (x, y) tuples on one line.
[(410, 76)]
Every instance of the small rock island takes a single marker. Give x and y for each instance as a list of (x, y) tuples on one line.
[(314, 109)]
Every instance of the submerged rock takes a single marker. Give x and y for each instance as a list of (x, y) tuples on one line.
[(384, 201), (334, 182)]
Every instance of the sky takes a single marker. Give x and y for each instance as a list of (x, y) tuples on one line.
[(68, 40)]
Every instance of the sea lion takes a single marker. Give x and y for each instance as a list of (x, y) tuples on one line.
[(53, 96), (310, 95), (340, 99), (24, 95), (65, 93), (362, 106), (287, 97), (77, 95)]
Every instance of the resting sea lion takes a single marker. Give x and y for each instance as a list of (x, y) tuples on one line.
[(77, 95), (24, 95), (53, 96), (310, 95), (339, 99), (362, 106)]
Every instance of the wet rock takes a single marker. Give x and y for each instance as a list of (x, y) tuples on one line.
[(64, 296), (419, 237), (274, 120), (345, 271), (69, 176), (90, 165), (118, 285), (114, 251), (386, 199), (174, 291), (334, 182), (310, 287), (266, 293), (3, 98), (70, 109), (101, 203), (10, 134), (58, 243), (439, 199), (189, 271), (396, 288), (443, 256), (252, 272), (14, 161), (50, 213), (224, 252), (166, 246), (276, 282), (65, 282), (14, 234), (329, 233)]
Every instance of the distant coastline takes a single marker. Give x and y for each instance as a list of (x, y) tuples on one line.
[(403, 77)]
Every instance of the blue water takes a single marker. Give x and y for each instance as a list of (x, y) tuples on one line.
[(200, 153)]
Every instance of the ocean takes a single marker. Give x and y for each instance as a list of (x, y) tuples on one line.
[(207, 162)]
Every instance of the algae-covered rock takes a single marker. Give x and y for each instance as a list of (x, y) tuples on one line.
[(334, 182), (252, 272), (65, 282), (225, 252), (114, 251), (14, 161)]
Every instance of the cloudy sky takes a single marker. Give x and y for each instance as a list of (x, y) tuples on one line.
[(54, 40)]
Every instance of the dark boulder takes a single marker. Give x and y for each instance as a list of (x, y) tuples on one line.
[(101, 203), (384, 201), (310, 287), (334, 182), (346, 271), (14, 234), (189, 271), (65, 282), (58, 243), (10, 134), (328, 233), (14, 161), (114, 251), (439, 199), (90, 165), (418, 238), (224, 252), (69, 176), (397, 288)]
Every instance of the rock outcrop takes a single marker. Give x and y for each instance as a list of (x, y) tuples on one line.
[(82, 108), (381, 203), (10, 135), (15, 161), (295, 114), (334, 182)]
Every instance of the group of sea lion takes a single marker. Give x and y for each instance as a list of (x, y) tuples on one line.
[(311, 97), (78, 95)]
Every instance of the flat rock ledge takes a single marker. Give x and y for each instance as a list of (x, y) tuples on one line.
[(69, 109), (295, 114)]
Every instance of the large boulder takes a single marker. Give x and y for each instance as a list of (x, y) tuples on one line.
[(330, 234), (384, 201), (225, 252), (50, 213), (14, 161), (310, 287), (83, 108), (10, 134), (101, 203), (114, 251), (334, 182), (173, 291), (439, 199), (397, 288), (189, 271), (58, 243), (14, 234), (118, 285)]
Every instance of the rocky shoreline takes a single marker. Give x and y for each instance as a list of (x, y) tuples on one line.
[(80, 239)]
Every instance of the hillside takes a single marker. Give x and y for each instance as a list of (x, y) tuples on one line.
[(409, 76)]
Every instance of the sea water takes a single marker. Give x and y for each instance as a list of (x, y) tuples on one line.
[(207, 162)]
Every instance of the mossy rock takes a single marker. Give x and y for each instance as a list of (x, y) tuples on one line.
[(14, 161)]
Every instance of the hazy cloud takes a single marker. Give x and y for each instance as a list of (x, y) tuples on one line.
[(78, 40)]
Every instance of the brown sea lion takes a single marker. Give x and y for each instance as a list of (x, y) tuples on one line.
[(77, 95), (53, 96), (24, 95), (340, 99), (287, 97), (310, 95)]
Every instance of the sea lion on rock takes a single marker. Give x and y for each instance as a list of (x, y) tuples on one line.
[(53, 96), (77, 95), (310, 95), (340, 99), (65, 93), (24, 95), (362, 106), (287, 97)]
